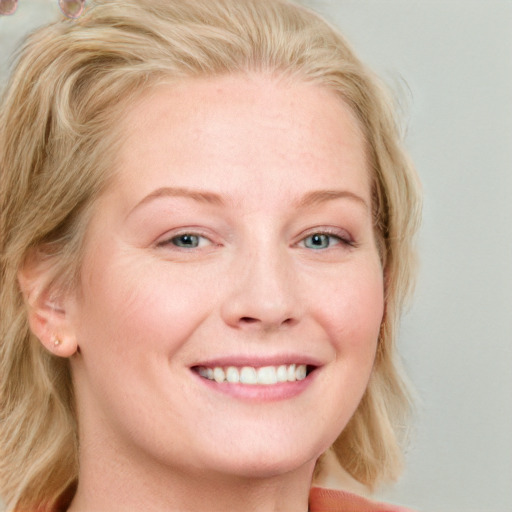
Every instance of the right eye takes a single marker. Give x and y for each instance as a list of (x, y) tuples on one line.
[(186, 241), (321, 241)]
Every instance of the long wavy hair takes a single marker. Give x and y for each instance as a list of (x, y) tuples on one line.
[(58, 140)]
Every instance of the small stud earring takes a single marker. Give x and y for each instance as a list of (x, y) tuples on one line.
[(56, 341), (8, 7)]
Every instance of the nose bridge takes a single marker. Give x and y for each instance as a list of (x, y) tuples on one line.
[(263, 291)]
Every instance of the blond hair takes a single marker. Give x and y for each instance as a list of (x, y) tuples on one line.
[(57, 145)]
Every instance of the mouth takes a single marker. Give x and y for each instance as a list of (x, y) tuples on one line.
[(252, 375)]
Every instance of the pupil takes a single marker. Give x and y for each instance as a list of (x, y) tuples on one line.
[(186, 240), (318, 240)]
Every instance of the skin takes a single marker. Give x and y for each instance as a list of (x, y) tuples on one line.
[(255, 151)]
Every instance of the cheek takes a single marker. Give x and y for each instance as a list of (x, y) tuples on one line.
[(138, 305), (133, 307), (351, 309)]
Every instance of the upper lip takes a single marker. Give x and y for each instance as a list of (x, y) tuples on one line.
[(258, 361)]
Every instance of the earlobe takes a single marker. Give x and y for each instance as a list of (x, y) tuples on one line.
[(47, 308)]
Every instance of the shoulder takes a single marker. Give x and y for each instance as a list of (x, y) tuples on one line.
[(330, 500)]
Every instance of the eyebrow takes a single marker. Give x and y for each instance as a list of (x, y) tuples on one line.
[(196, 195), (310, 199), (321, 196)]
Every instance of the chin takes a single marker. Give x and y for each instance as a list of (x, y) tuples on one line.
[(260, 464)]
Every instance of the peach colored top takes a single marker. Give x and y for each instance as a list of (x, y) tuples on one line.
[(329, 500)]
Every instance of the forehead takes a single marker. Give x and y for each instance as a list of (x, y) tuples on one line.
[(216, 132)]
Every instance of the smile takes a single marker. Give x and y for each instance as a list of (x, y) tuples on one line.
[(265, 375)]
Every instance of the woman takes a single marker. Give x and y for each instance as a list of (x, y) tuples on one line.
[(207, 223)]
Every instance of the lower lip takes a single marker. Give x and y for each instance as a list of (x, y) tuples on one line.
[(258, 392)]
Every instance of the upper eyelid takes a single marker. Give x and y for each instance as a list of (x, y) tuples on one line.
[(167, 238), (340, 239), (333, 231), (340, 233)]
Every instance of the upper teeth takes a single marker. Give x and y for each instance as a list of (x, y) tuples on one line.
[(249, 375)]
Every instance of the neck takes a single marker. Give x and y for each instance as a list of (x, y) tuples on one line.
[(119, 485)]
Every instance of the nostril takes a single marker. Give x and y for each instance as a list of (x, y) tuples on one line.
[(248, 320)]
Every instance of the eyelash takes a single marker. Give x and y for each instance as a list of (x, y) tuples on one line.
[(325, 234), (341, 239), (190, 234)]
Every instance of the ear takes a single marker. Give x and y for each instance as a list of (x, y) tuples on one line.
[(48, 307)]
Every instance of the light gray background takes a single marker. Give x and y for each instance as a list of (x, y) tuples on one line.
[(452, 60)]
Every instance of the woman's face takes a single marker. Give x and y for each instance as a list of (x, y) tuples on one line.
[(232, 292)]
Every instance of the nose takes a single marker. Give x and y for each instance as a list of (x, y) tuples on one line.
[(262, 293)]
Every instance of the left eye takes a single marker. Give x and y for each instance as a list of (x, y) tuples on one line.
[(321, 241)]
